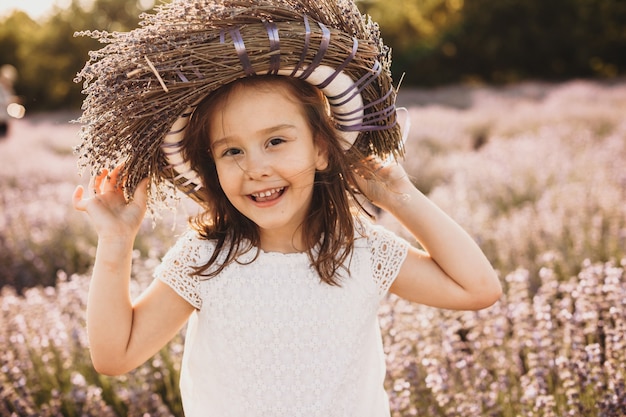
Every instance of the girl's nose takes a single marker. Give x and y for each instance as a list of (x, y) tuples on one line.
[(257, 167)]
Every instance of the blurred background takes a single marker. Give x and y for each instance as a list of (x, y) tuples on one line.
[(518, 111), (434, 42)]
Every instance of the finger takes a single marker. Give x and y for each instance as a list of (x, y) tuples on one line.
[(92, 185), (141, 193), (98, 180), (375, 163), (369, 167), (77, 199)]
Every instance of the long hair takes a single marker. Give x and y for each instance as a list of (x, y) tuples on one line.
[(329, 229)]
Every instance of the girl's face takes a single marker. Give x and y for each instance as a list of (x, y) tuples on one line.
[(266, 157)]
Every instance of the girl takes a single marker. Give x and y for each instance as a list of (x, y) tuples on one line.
[(281, 280), (274, 116)]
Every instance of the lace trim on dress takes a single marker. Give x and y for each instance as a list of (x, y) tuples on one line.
[(176, 269), (388, 253)]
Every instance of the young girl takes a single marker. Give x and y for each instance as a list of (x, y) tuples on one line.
[(279, 278)]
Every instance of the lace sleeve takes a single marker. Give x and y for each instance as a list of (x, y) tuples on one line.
[(176, 268), (388, 254)]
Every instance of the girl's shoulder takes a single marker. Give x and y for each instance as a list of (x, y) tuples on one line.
[(372, 234), (191, 253), (178, 266), (191, 246)]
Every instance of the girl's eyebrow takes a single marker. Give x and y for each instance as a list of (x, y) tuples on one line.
[(262, 132)]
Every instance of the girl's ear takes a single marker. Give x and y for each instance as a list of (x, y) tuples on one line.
[(321, 147)]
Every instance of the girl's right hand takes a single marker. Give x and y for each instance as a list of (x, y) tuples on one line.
[(111, 214)]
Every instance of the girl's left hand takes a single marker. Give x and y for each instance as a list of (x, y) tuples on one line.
[(382, 182)]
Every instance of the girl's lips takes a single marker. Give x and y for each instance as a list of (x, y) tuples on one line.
[(267, 195)]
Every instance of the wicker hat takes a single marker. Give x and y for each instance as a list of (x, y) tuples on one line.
[(143, 85)]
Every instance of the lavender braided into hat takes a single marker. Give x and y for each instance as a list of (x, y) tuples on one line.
[(143, 85)]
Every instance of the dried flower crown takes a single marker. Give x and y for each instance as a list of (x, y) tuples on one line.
[(143, 85)]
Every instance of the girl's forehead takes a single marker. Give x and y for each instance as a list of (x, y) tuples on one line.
[(255, 103), (290, 89), (252, 110), (270, 86)]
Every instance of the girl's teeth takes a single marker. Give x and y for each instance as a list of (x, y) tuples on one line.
[(266, 193)]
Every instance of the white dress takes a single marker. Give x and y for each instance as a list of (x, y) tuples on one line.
[(270, 339)]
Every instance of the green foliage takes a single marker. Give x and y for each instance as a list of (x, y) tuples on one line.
[(48, 56), (443, 41), (413, 24), (512, 40)]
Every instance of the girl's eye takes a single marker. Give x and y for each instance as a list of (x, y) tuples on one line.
[(276, 141), (231, 152)]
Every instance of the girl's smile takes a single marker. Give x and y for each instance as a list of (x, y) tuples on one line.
[(266, 157), (267, 196)]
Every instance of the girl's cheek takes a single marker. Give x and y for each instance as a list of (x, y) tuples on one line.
[(228, 169)]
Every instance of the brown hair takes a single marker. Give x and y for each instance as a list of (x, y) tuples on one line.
[(329, 227)]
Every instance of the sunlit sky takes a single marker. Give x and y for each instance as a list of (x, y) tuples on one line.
[(35, 8), (40, 8)]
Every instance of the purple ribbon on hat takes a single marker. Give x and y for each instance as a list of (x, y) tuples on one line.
[(305, 48), (370, 122), (240, 47), (344, 64), (272, 33), (321, 52)]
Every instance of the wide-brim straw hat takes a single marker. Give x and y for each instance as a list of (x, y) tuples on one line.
[(143, 85)]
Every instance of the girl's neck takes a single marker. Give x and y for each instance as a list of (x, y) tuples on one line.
[(277, 242)]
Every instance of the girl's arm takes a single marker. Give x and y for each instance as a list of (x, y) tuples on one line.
[(451, 272), (123, 334)]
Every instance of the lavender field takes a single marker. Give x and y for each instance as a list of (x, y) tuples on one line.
[(535, 172)]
